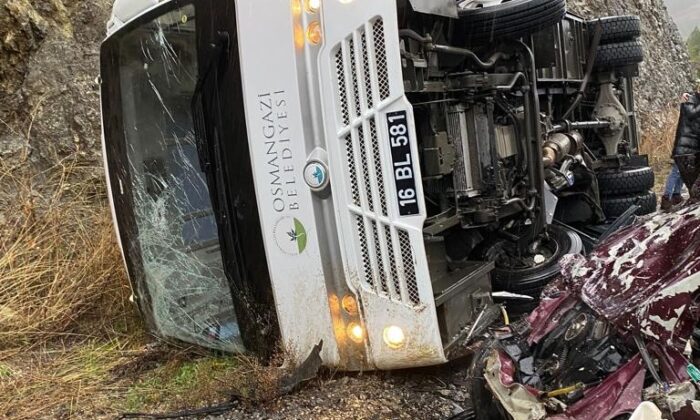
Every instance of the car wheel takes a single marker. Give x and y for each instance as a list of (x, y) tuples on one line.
[(615, 206), (531, 281), (486, 20), (617, 28), (619, 54), (626, 181)]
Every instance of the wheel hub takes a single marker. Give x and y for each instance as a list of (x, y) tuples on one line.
[(479, 4), (506, 256)]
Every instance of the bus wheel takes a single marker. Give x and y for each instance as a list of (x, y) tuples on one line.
[(487, 20)]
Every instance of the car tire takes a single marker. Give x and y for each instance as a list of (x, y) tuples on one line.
[(617, 28), (619, 54), (626, 181), (532, 281), (614, 207), (512, 19)]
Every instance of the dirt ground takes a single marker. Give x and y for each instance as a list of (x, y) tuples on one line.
[(87, 382), (430, 393)]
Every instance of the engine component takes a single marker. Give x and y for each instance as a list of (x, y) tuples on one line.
[(438, 155), (608, 108), (577, 327), (506, 141), (560, 145), (467, 173)]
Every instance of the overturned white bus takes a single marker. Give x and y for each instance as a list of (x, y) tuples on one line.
[(361, 172)]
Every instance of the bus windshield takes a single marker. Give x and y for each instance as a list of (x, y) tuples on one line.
[(174, 249)]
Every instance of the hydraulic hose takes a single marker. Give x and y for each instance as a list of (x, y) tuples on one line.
[(446, 49), (534, 134), (484, 65)]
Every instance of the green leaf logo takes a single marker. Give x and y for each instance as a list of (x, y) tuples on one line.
[(290, 236), (300, 235)]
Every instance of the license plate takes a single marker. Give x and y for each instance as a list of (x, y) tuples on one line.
[(403, 166)]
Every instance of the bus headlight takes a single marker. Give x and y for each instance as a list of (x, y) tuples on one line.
[(394, 337), (356, 332), (314, 34), (312, 6), (349, 304)]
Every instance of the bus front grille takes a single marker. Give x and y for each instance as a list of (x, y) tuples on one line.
[(385, 260)]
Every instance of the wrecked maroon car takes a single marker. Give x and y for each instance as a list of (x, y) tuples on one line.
[(609, 334)]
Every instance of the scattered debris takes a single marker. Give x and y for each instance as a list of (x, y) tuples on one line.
[(611, 332)]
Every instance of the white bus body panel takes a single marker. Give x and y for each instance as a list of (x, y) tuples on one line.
[(277, 134), (386, 263), (382, 254)]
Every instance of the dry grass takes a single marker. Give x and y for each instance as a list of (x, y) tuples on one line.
[(101, 378), (659, 135), (59, 264), (71, 343), (65, 318), (658, 138), (183, 382), (73, 381)]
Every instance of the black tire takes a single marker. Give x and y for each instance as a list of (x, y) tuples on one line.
[(512, 19), (619, 54), (528, 281), (532, 281), (626, 181), (617, 28), (614, 206)]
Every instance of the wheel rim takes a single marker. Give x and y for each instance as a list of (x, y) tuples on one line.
[(546, 254), (479, 4)]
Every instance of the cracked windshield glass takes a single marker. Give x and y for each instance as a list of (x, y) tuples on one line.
[(177, 232)]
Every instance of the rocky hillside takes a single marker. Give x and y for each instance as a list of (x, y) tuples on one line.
[(49, 65), (666, 71)]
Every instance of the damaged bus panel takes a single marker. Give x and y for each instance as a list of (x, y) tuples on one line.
[(375, 176)]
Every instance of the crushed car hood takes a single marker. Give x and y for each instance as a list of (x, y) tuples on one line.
[(644, 279)]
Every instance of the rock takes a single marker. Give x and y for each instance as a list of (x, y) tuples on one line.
[(11, 144), (445, 393), (50, 59)]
